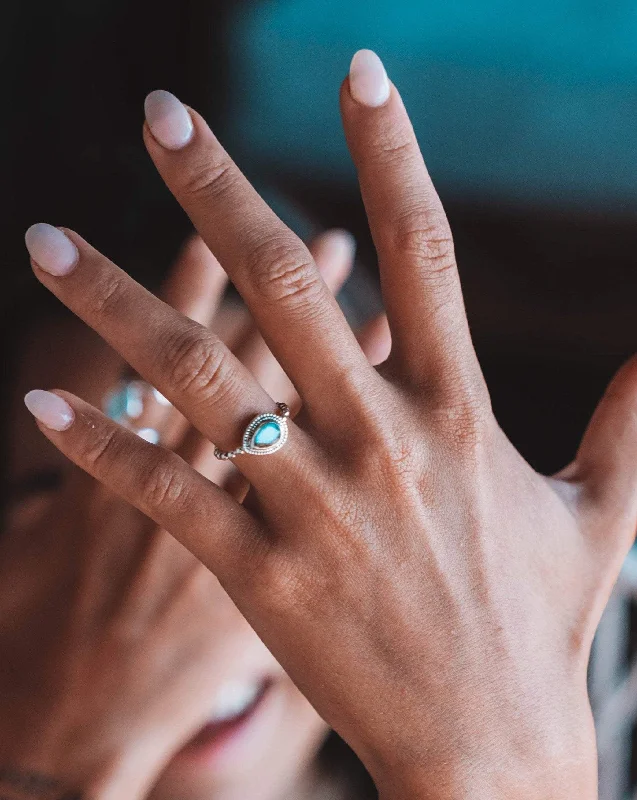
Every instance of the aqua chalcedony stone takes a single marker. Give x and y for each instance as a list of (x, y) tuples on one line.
[(267, 434)]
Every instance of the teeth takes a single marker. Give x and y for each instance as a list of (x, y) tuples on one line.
[(233, 699)]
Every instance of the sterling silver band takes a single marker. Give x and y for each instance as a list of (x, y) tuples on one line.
[(265, 434)]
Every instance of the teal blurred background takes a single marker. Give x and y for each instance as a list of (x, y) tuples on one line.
[(521, 102)]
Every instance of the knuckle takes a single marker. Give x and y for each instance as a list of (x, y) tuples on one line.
[(197, 364), (284, 588), (465, 423), (398, 461), (394, 144), (283, 271), (424, 236), (394, 150), (98, 446), (163, 487), (107, 295), (209, 178), (388, 452)]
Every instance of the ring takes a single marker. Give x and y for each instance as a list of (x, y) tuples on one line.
[(127, 402), (265, 434)]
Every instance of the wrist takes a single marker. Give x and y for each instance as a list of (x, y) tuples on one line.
[(495, 777), (494, 784), (541, 766)]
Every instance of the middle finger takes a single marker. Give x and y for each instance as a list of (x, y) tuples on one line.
[(270, 266)]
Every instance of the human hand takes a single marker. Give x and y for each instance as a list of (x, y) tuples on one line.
[(433, 596), (116, 643)]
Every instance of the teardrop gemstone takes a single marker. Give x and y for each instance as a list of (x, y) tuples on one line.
[(267, 434)]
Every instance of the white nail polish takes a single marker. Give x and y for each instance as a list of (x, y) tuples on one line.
[(168, 120), (51, 249), (50, 409), (368, 81)]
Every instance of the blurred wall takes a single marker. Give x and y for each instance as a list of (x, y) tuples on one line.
[(524, 101)]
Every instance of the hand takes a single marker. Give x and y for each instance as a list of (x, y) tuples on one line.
[(433, 596), (115, 640)]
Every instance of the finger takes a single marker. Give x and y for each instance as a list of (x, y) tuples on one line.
[(196, 282), (375, 340), (159, 483), (333, 252), (195, 287), (272, 269), (419, 278), (606, 464), (185, 361)]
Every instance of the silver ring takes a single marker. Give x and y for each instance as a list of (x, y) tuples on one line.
[(126, 403), (264, 435)]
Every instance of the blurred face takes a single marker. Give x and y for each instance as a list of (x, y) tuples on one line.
[(262, 737)]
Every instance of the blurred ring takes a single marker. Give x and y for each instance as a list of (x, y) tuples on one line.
[(126, 403)]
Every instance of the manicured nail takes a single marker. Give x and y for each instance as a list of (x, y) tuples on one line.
[(168, 119), (335, 246), (51, 249), (50, 409), (368, 81)]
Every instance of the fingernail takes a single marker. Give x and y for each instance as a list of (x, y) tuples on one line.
[(335, 246), (168, 119), (51, 249), (368, 81), (50, 409)]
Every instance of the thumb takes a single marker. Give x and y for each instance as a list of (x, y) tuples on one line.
[(606, 463)]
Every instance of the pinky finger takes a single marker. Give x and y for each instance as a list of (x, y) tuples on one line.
[(155, 480)]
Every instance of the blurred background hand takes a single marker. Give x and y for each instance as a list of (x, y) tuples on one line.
[(122, 657)]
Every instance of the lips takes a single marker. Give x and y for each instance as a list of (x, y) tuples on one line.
[(236, 704)]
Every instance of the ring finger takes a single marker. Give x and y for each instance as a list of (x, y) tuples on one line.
[(333, 252)]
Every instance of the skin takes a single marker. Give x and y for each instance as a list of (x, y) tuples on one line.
[(116, 640), (463, 588)]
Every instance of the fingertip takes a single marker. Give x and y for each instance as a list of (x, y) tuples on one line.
[(196, 251), (368, 82), (51, 249), (197, 282), (341, 236), (168, 119), (334, 251), (375, 340)]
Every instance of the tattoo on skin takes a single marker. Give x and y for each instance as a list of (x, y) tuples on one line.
[(16, 784)]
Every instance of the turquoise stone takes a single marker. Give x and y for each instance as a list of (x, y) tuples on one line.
[(267, 434)]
